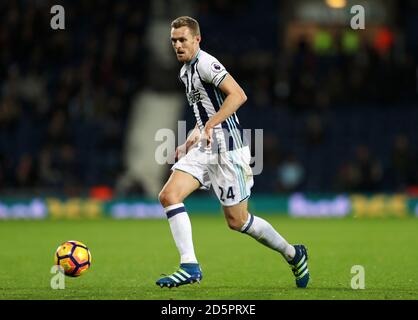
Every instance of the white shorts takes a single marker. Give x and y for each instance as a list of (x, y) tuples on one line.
[(228, 172)]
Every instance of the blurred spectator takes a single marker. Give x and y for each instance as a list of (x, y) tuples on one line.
[(290, 174), (266, 181), (348, 178), (272, 153), (26, 172), (302, 83), (403, 163), (369, 169), (314, 130), (48, 176)]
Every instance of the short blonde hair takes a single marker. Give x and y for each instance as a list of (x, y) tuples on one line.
[(185, 21)]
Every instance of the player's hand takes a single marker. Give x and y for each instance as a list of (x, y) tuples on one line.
[(207, 135), (181, 151)]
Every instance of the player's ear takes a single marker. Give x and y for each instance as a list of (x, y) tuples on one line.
[(198, 38)]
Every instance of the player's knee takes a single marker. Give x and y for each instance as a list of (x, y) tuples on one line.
[(235, 223), (168, 198)]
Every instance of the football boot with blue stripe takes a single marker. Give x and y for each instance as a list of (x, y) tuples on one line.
[(299, 265), (188, 273)]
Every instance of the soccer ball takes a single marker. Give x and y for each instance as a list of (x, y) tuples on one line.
[(74, 258)]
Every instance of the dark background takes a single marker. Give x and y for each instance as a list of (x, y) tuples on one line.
[(339, 107)]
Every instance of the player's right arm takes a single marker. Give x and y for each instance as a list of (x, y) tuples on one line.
[(191, 141)]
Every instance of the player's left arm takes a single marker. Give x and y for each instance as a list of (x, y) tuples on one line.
[(235, 97)]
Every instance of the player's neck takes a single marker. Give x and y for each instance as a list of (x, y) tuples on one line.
[(196, 54)]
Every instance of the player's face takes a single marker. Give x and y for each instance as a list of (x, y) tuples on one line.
[(185, 44)]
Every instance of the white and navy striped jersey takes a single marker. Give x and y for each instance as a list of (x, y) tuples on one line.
[(202, 77)]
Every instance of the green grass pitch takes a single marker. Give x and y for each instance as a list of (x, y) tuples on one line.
[(129, 255)]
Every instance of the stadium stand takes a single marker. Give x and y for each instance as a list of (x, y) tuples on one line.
[(342, 121)]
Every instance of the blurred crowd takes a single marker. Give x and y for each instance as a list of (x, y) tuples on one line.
[(65, 94), (336, 117), (336, 68), (364, 76), (359, 170), (65, 97)]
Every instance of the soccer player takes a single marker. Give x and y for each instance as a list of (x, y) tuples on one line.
[(214, 155)]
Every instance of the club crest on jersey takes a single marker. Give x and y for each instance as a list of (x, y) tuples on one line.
[(216, 67), (193, 96)]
